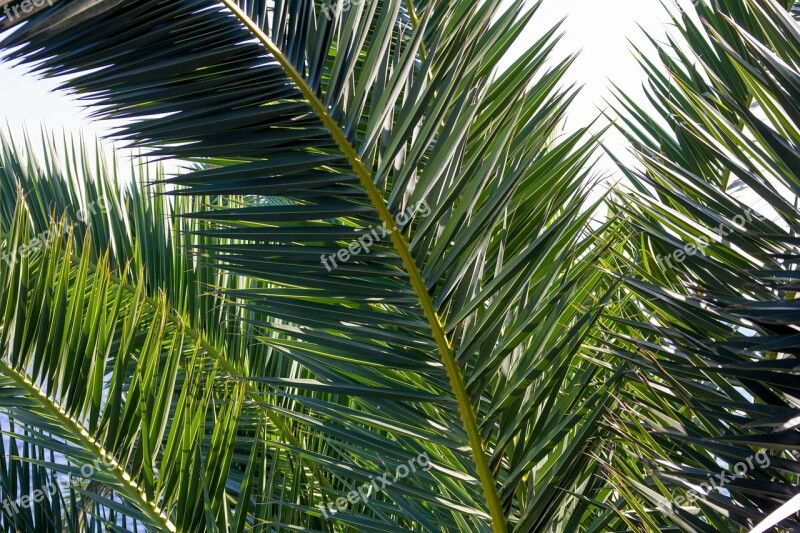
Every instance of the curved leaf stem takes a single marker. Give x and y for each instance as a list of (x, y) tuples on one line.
[(126, 487), (376, 198)]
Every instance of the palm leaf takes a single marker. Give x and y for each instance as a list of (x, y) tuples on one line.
[(448, 325), (710, 335), (89, 375)]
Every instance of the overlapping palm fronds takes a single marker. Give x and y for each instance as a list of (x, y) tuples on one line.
[(708, 321), (381, 253), (457, 336)]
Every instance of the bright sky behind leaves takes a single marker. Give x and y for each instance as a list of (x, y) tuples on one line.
[(598, 29)]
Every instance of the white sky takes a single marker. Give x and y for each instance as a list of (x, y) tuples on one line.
[(598, 29)]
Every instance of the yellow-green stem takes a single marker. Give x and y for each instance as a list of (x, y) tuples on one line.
[(398, 240), (126, 487)]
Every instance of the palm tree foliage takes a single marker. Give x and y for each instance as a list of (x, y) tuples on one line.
[(711, 339), (458, 337), (559, 375)]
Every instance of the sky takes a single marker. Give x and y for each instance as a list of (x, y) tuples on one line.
[(598, 30)]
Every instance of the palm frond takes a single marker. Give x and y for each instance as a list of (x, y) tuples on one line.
[(89, 386), (460, 328), (707, 322)]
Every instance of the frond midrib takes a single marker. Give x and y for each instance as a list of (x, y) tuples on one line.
[(455, 376), (218, 356), (127, 487), (211, 350)]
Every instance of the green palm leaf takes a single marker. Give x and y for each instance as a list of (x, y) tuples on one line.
[(457, 333), (89, 376), (710, 334)]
